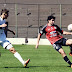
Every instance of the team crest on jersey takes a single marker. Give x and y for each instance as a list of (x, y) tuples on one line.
[(41, 32), (55, 27)]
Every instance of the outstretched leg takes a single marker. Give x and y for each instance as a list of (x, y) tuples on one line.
[(18, 56), (61, 51), (7, 45)]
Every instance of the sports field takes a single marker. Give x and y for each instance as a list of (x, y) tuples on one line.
[(44, 59)]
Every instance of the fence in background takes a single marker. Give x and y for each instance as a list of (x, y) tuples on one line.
[(27, 19)]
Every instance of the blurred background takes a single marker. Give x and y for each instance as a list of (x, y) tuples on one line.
[(27, 17)]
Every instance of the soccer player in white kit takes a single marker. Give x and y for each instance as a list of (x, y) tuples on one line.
[(5, 43)]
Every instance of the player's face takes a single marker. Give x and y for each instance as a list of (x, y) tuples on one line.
[(5, 15), (51, 21)]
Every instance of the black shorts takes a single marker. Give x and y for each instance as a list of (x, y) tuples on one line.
[(58, 44)]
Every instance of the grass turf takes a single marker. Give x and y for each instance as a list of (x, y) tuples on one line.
[(43, 59)]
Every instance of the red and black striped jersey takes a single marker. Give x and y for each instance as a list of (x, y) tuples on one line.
[(52, 33)]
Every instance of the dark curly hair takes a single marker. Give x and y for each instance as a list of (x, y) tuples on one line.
[(4, 11), (50, 17)]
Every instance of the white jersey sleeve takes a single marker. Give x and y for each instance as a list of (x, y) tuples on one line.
[(2, 34)]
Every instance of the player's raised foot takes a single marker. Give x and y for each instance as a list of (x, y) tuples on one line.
[(70, 54), (26, 62)]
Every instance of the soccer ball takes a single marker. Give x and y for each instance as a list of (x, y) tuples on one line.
[(70, 27)]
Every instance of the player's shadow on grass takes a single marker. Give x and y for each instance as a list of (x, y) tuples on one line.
[(33, 66), (49, 66), (15, 67), (26, 67), (38, 66)]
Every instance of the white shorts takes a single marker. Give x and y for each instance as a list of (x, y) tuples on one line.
[(6, 44)]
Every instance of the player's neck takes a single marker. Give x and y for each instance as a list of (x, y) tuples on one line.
[(49, 24), (2, 17)]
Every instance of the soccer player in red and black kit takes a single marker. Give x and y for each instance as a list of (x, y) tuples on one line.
[(52, 34)]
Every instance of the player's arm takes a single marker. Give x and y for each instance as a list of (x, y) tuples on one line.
[(6, 29), (67, 33), (3, 25), (39, 35), (63, 32), (59, 29), (38, 41)]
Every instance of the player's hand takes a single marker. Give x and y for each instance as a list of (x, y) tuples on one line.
[(71, 33), (13, 32), (37, 45), (3, 25)]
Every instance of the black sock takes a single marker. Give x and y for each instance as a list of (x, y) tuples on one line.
[(67, 60)]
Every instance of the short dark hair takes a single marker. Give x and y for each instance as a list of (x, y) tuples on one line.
[(50, 17), (4, 11)]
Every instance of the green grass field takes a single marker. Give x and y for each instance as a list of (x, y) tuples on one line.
[(43, 59)]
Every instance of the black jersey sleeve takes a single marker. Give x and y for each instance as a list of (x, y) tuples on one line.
[(42, 31), (59, 29)]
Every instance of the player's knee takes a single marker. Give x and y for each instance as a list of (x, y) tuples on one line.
[(12, 50), (68, 42), (61, 51)]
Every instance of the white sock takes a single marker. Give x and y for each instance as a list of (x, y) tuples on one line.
[(18, 56)]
